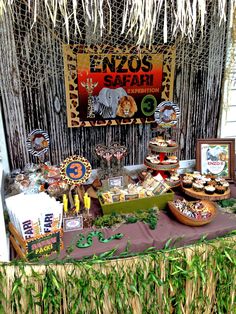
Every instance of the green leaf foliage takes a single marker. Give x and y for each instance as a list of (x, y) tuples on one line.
[(149, 217)]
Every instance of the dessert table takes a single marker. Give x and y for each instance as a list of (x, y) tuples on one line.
[(194, 273), (140, 237)]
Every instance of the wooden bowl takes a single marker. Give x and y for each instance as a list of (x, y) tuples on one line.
[(192, 221)]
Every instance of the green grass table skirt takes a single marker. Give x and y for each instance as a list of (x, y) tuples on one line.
[(196, 279)]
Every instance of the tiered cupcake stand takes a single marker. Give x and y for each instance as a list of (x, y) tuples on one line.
[(163, 166)]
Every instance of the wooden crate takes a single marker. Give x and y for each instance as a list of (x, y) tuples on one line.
[(37, 247)]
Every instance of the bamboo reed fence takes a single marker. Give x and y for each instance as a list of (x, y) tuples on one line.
[(32, 92)]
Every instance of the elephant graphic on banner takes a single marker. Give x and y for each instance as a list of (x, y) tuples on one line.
[(105, 104)]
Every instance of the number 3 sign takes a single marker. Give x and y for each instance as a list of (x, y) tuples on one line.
[(75, 170)]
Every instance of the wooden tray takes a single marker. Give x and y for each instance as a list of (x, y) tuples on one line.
[(192, 221), (163, 149), (161, 167), (204, 196)]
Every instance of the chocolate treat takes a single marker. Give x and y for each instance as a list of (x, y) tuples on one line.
[(187, 183), (213, 183), (210, 189), (219, 180), (196, 210), (220, 189), (198, 187)]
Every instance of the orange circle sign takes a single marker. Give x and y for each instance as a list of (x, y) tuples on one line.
[(75, 170)]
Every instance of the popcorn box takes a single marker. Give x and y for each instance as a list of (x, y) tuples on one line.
[(132, 205)]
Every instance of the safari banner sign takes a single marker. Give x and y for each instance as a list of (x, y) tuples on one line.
[(110, 86)]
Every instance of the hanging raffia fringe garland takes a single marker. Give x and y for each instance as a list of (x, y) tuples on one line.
[(141, 18)]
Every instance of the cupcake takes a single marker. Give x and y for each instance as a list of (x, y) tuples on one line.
[(187, 183), (153, 159), (159, 141), (210, 176), (174, 178), (200, 181), (219, 180), (171, 143), (198, 187), (173, 157), (207, 180), (197, 176), (220, 189), (211, 182), (149, 157), (209, 189), (226, 185), (187, 177)]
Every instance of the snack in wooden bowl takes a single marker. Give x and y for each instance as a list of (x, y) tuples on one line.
[(197, 213)]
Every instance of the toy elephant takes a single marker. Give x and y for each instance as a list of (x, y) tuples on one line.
[(109, 98)]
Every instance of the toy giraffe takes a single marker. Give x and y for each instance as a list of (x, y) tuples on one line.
[(89, 86)]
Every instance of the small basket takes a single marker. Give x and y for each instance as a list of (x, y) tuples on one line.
[(192, 221)]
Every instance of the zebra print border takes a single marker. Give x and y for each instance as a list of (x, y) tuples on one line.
[(29, 142), (159, 117)]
